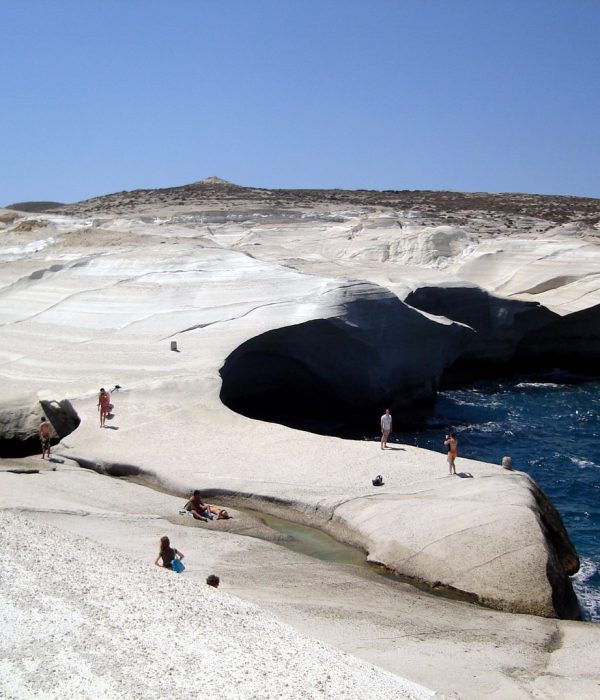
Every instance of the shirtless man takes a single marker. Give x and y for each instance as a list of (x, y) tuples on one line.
[(45, 433), (452, 444), (386, 428), (198, 508)]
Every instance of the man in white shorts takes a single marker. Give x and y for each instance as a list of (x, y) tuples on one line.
[(386, 428)]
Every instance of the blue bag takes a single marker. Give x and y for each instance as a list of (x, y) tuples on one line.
[(177, 565)]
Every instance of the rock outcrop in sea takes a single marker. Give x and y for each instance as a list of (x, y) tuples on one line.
[(299, 316)]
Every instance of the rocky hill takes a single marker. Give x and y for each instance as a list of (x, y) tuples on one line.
[(458, 208), (34, 207)]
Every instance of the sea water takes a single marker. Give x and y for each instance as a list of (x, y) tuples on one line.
[(551, 430)]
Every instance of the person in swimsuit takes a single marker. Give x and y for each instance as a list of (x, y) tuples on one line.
[(45, 433), (452, 443), (217, 513), (167, 554), (103, 405), (386, 427)]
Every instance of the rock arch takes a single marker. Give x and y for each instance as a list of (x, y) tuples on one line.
[(19, 425), (332, 377)]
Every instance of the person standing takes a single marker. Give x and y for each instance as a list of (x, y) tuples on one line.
[(45, 433), (452, 443), (386, 427), (103, 405)]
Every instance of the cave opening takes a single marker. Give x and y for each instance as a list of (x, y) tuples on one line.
[(279, 389), (19, 441), (312, 376), (17, 448), (322, 377)]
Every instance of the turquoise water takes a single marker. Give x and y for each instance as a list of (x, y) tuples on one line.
[(552, 431)]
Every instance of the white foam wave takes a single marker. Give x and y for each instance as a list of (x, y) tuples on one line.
[(460, 402), (490, 427), (583, 463), (587, 569), (537, 385), (589, 595)]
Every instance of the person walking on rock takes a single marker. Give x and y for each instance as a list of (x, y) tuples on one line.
[(45, 433), (452, 443), (104, 405), (386, 428)]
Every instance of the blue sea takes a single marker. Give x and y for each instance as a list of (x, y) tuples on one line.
[(552, 431)]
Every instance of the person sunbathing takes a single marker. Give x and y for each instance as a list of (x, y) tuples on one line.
[(217, 513), (204, 511)]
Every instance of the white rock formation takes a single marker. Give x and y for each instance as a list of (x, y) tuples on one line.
[(302, 313), (83, 621), (100, 574)]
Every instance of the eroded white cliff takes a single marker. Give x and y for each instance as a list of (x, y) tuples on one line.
[(312, 313)]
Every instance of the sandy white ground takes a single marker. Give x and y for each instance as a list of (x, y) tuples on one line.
[(84, 621), (457, 649), (93, 302)]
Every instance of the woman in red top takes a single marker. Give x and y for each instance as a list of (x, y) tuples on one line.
[(103, 405)]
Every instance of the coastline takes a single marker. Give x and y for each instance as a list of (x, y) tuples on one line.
[(517, 417), (392, 625), (411, 524), (385, 306)]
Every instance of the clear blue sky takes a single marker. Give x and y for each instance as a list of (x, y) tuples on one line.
[(100, 96)]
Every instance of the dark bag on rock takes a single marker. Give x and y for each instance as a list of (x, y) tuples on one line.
[(378, 480)]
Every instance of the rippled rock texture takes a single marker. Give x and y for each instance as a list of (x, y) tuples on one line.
[(309, 309)]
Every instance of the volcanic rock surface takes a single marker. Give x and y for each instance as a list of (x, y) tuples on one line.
[(313, 310)]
